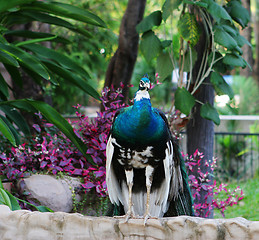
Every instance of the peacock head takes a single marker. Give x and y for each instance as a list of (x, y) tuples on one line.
[(144, 83)]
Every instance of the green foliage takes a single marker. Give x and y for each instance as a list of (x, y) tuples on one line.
[(210, 113), (217, 11), (6, 131), (184, 101), (93, 54), (188, 28), (234, 60), (222, 51), (235, 9), (154, 19), (164, 65), (223, 38), (220, 85), (150, 45), (168, 7), (40, 62)]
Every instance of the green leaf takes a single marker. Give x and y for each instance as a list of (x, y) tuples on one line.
[(82, 31), (4, 199), (210, 113), (4, 128), (20, 104), (16, 135), (67, 10), (35, 35), (150, 45), (15, 74), (166, 43), (3, 86), (238, 12), (184, 101), (46, 18), (17, 118), (8, 59), (26, 59), (188, 28), (164, 65), (41, 17), (234, 60), (219, 66), (59, 58), (39, 208), (231, 29), (14, 203), (35, 41), (6, 5), (43, 209), (154, 19), (241, 41), (168, 7), (217, 11), (220, 85), (72, 78), (223, 38)]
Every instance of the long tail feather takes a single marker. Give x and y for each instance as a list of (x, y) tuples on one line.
[(183, 203)]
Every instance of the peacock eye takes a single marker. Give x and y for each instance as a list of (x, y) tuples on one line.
[(141, 83)]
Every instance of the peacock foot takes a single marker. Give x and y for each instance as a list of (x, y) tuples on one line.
[(128, 215), (146, 217)]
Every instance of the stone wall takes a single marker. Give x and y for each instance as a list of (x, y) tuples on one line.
[(26, 225)]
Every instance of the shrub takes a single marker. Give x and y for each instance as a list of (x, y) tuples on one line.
[(222, 198), (52, 152)]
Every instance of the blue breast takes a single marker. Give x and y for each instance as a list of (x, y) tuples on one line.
[(139, 124)]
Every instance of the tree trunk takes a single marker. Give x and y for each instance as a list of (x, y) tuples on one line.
[(247, 50), (256, 34), (122, 63), (200, 132)]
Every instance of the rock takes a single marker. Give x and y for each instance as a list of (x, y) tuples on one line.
[(51, 192), (22, 224)]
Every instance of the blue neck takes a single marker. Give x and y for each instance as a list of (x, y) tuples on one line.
[(138, 123)]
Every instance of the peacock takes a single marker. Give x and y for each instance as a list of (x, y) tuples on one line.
[(145, 172)]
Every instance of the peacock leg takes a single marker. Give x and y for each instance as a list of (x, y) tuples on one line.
[(149, 179), (129, 179)]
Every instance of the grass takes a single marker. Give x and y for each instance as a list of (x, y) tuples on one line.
[(248, 208)]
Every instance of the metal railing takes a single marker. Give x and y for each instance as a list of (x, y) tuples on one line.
[(237, 153)]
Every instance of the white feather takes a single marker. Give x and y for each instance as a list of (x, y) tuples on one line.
[(113, 187), (141, 94)]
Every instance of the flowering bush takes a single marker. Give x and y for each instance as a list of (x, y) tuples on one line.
[(50, 151), (221, 197), (95, 135)]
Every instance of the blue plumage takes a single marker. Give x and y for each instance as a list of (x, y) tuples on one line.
[(144, 171)]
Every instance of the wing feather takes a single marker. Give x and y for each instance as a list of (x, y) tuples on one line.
[(113, 186)]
